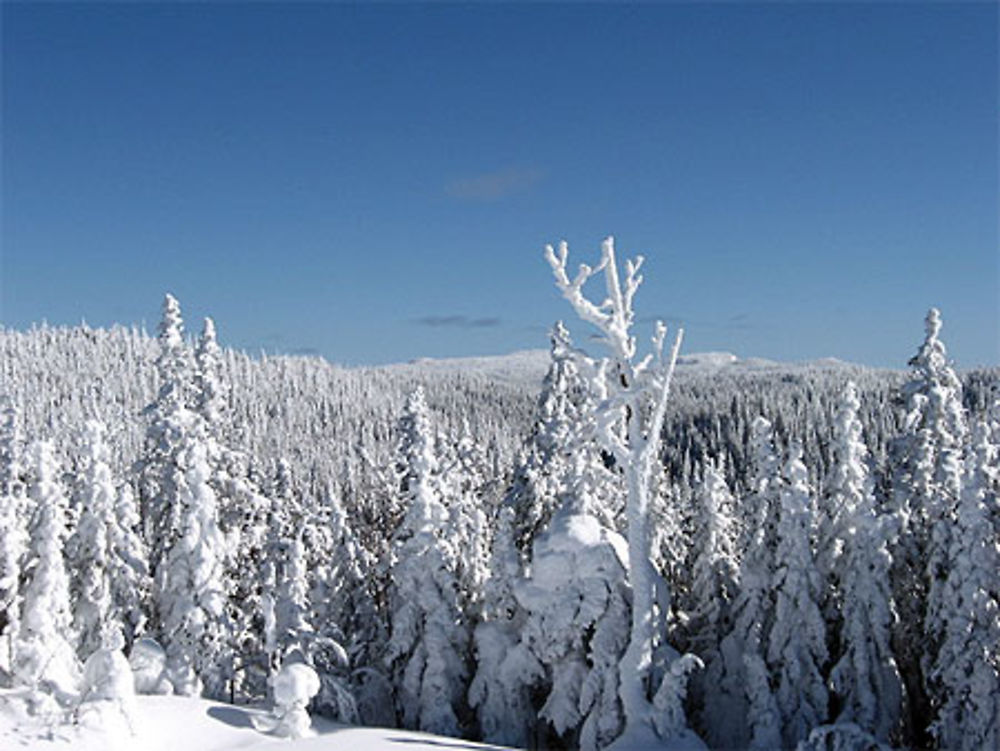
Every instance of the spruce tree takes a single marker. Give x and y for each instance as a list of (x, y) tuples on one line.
[(45, 654), (796, 647), (428, 645), (865, 677), (965, 678)]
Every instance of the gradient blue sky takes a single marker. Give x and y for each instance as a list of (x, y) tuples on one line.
[(376, 183)]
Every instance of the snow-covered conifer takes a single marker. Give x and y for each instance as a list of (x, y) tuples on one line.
[(170, 422), (129, 573), (753, 610), (965, 679), (428, 644), (14, 506), (91, 545), (506, 668), (796, 649), (865, 677), (926, 490), (189, 587), (718, 690), (45, 653), (210, 390)]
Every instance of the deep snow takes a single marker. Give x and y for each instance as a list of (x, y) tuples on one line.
[(175, 723)]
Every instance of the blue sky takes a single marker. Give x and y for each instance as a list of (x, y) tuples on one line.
[(376, 183)]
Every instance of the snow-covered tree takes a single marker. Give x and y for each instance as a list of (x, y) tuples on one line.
[(14, 508), (796, 649), (506, 668), (753, 610), (188, 586), (576, 602), (718, 691), (45, 656), (966, 675), (865, 678), (630, 430), (91, 545), (129, 573), (170, 422), (429, 643), (564, 403), (926, 490), (210, 390)]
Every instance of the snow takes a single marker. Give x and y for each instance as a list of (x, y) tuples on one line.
[(169, 723)]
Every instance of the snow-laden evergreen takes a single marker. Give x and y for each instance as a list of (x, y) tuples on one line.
[(576, 600), (754, 608), (189, 586), (45, 657), (926, 490), (965, 678), (865, 677), (718, 690), (796, 646), (428, 646), (13, 536), (297, 459), (506, 668), (91, 546)]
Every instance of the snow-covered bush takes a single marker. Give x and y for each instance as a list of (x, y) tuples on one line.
[(148, 662), (293, 688)]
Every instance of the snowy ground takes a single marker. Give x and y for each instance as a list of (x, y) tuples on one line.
[(173, 723)]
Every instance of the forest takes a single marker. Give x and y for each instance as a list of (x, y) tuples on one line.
[(620, 549)]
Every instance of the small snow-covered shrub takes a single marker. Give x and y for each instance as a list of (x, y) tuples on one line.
[(294, 686), (148, 664)]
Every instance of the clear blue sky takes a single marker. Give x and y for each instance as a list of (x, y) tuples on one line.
[(376, 183)]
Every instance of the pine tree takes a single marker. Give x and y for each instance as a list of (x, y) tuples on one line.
[(170, 423), (753, 610), (865, 677), (718, 691), (129, 573), (796, 649), (966, 675), (576, 601), (189, 586), (926, 490), (91, 546), (14, 507), (428, 644), (506, 669), (45, 657)]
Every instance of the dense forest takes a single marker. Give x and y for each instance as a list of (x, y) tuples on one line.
[(453, 552)]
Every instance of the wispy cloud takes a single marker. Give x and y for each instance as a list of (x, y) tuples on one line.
[(457, 321), (492, 186)]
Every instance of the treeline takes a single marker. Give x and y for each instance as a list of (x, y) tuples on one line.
[(447, 550)]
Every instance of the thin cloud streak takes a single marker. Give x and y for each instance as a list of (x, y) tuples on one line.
[(492, 186), (457, 321)]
